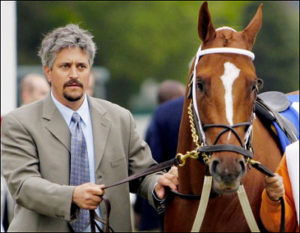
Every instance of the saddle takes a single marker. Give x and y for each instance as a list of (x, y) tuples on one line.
[(268, 107)]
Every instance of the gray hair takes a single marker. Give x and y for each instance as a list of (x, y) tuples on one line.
[(65, 37)]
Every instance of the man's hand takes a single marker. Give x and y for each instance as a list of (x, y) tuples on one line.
[(88, 195), (169, 179), (274, 187)]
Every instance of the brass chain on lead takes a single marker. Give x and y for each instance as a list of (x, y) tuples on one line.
[(194, 154)]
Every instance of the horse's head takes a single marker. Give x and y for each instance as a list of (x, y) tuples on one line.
[(225, 88)]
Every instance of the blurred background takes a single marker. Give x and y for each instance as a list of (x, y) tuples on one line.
[(141, 43)]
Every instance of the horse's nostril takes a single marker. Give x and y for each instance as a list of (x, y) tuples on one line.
[(243, 167), (214, 166)]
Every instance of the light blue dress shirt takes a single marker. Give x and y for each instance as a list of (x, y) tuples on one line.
[(84, 112)]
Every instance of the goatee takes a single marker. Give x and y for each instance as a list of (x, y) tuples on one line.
[(72, 98)]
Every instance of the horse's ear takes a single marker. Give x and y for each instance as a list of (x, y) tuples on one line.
[(206, 29), (253, 27)]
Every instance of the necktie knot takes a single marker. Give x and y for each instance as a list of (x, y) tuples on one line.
[(75, 117)]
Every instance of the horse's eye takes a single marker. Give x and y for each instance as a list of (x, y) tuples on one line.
[(200, 85)]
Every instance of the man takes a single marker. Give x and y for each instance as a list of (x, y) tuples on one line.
[(59, 153), (33, 87), (162, 132), (284, 184), (168, 90), (162, 137)]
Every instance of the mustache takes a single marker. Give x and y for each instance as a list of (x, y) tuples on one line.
[(73, 83)]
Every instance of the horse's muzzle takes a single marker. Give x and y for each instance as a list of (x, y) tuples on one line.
[(227, 173)]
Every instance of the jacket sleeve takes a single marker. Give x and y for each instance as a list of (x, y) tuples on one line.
[(270, 211), (140, 158), (20, 167)]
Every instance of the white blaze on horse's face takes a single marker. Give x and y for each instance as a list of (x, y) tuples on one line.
[(231, 72)]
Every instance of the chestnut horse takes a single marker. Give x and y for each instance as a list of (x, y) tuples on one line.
[(222, 89)]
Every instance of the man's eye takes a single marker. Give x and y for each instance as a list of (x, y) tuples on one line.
[(65, 66), (82, 66)]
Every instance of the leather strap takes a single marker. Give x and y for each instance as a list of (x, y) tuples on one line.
[(242, 195), (94, 216), (150, 170), (169, 163), (225, 147), (203, 204)]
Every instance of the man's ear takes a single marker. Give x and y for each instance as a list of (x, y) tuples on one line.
[(47, 72)]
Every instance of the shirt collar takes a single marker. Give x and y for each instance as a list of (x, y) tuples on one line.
[(67, 113)]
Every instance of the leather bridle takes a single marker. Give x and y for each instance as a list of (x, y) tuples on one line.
[(206, 150), (242, 149)]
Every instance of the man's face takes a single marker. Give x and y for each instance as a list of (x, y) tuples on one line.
[(69, 75)]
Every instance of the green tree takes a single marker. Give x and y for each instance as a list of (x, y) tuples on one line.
[(277, 45), (136, 39)]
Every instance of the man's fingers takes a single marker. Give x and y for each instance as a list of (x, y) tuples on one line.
[(88, 195), (168, 180), (174, 171), (99, 191)]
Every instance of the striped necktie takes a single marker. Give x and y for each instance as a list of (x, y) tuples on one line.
[(79, 168)]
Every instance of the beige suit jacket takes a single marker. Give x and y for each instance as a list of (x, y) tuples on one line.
[(36, 158)]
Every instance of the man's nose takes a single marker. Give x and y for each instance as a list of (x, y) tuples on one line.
[(73, 72)]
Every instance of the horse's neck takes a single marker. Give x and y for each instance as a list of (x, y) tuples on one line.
[(191, 175)]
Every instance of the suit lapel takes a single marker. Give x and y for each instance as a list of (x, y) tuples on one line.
[(55, 123), (101, 127)]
